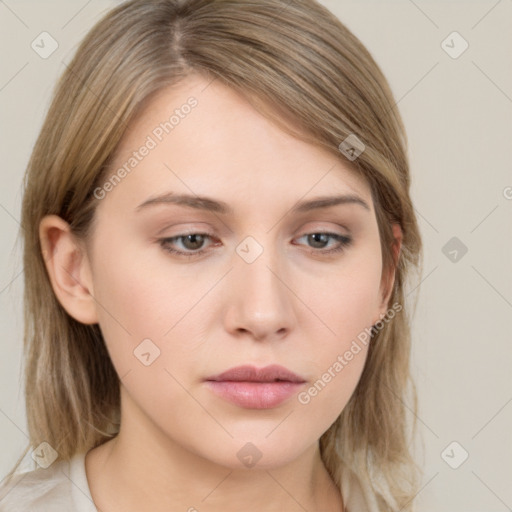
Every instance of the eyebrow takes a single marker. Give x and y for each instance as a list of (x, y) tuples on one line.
[(213, 205)]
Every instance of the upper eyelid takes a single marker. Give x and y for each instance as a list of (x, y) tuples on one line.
[(210, 232), (342, 226)]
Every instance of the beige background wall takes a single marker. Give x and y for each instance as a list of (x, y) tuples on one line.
[(458, 113)]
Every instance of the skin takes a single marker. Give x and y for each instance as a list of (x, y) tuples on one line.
[(294, 305)]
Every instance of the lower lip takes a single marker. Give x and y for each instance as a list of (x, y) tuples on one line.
[(255, 395)]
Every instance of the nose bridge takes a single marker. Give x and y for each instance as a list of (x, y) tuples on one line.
[(257, 268), (261, 303)]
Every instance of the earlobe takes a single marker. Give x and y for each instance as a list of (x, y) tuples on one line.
[(68, 269)]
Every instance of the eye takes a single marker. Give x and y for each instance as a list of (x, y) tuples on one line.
[(320, 240), (192, 242)]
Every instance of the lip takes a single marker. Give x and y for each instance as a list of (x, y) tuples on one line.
[(256, 388), (248, 373)]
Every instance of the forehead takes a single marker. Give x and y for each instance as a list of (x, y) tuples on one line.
[(200, 136)]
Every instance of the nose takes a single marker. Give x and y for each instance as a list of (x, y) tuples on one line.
[(259, 303)]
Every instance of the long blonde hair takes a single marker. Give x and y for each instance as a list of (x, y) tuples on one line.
[(292, 60)]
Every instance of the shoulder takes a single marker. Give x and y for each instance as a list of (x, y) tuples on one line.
[(37, 490), (43, 490)]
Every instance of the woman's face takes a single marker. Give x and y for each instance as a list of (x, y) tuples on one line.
[(256, 283)]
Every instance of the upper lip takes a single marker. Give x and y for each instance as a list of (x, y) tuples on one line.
[(249, 373)]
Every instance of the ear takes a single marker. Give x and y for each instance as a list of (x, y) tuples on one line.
[(388, 275), (68, 268)]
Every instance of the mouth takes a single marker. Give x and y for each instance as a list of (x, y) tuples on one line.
[(252, 388), (268, 374)]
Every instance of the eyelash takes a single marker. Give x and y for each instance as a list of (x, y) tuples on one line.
[(344, 242)]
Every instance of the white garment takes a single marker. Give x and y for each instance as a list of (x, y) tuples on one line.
[(63, 487)]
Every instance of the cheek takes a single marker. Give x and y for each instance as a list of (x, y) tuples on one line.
[(144, 319), (327, 395), (346, 302), (153, 312), (346, 306), (135, 288)]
